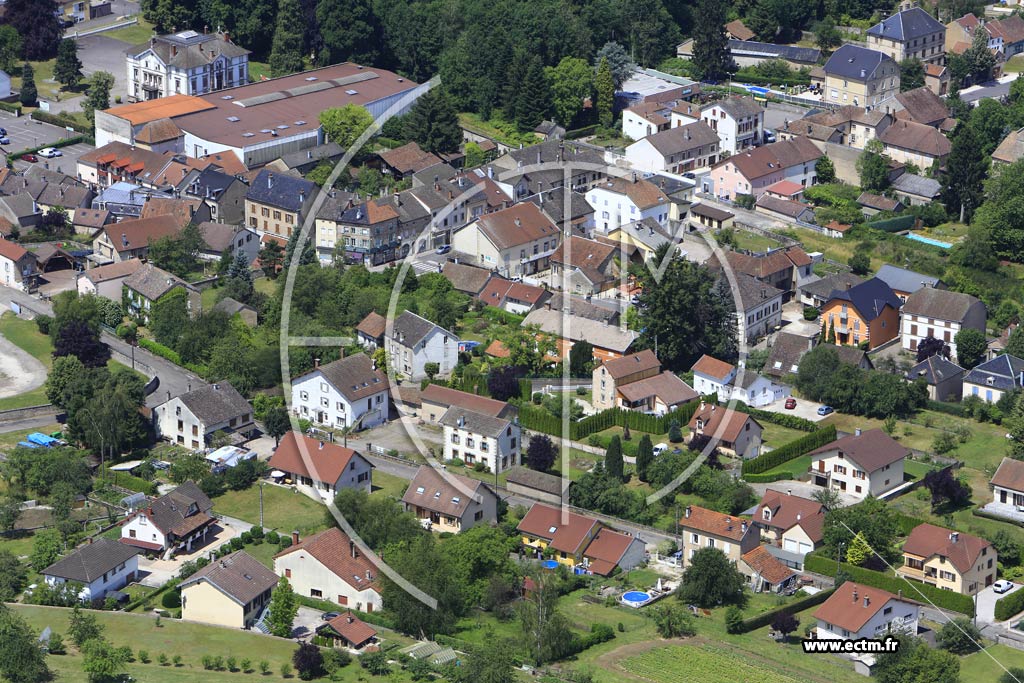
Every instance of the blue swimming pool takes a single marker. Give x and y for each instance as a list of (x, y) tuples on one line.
[(929, 240), (550, 564), (636, 596)]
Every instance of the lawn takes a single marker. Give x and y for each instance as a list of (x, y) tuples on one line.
[(985, 665), (751, 241), (284, 510), (46, 87), (389, 485), (776, 435), (1014, 64), (133, 35), (18, 543), (264, 552), (257, 70), (679, 663), (208, 298), (25, 335), (946, 232)]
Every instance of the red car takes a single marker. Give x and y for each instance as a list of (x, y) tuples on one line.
[(790, 403), (30, 158)]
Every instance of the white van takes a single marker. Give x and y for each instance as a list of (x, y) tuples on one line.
[(660, 448)]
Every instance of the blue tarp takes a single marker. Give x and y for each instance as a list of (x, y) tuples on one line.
[(42, 439), (28, 444)]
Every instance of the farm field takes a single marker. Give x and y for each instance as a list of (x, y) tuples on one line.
[(698, 664)]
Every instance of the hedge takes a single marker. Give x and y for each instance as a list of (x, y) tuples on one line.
[(1009, 605), (160, 350), (64, 121), (781, 419), (896, 224), (539, 420), (911, 589), (765, 618), (907, 523), (769, 478), (789, 451), (13, 107), (954, 409)]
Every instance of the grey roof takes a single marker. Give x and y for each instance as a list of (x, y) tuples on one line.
[(580, 307), (281, 190), (851, 355), (231, 306), (180, 511), (907, 25), (152, 282), (91, 561), (602, 335), (465, 278), (785, 354), (216, 403), (939, 303), (552, 203), (431, 490), (935, 369), (903, 280), (477, 423), (824, 287), (647, 231), (786, 207), (21, 205), (809, 55), (218, 236), (851, 61), (328, 150), (541, 481), (409, 329), (355, 376), (869, 298), (550, 150), (189, 49), (238, 575), (208, 183), (919, 186), (738, 107), (682, 138), (1004, 372), (753, 292)]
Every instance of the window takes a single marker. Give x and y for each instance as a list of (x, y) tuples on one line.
[(287, 573), (316, 593)]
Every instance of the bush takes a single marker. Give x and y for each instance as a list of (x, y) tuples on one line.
[(163, 660), (62, 119), (733, 619), (144, 656), (43, 323), (1009, 605), (171, 599), (766, 618), (12, 107), (272, 538), (789, 451), (781, 419), (160, 350)]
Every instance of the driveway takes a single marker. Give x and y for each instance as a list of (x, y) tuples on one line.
[(57, 281), (394, 435), (800, 488), (100, 53), (987, 603), (306, 622), (67, 163), (804, 408), (19, 371)]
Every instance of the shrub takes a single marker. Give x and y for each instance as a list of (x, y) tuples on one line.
[(162, 658), (160, 350), (218, 663), (43, 323), (286, 670), (1009, 605), (232, 664), (810, 313), (245, 665), (171, 599), (733, 619), (256, 533), (144, 656), (272, 538), (56, 644), (177, 660), (789, 451), (207, 662), (264, 667)]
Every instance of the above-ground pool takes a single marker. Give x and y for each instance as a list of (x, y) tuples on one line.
[(636, 598), (550, 564), (929, 240)]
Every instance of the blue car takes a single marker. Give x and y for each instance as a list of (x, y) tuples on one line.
[(825, 410), (444, 249)]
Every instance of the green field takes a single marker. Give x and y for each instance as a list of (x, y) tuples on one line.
[(284, 510), (389, 485), (753, 242), (990, 664), (133, 35), (698, 664), (25, 335)]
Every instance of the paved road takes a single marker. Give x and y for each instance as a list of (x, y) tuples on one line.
[(987, 604), (29, 423), (995, 90)]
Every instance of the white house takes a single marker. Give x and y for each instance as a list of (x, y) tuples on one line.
[(856, 611), (191, 419), (863, 464), (348, 392), (174, 521), (329, 566), (939, 313), (414, 341), (185, 63), (473, 437), (1007, 489), (512, 242), (645, 118), (17, 266), (993, 378), (99, 566), (107, 281), (618, 201), (738, 121), (713, 376), (325, 467), (685, 149), (757, 390)]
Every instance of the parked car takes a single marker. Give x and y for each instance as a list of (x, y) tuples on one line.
[(3, 131), (444, 249), (790, 403), (327, 616), (825, 410), (4, 140), (31, 158), (50, 152), (660, 448), (1002, 585)]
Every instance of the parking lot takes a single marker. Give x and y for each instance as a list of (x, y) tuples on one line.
[(26, 133)]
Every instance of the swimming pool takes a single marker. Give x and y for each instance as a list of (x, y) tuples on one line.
[(636, 598), (550, 564), (929, 240)]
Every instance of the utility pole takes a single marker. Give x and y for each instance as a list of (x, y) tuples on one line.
[(261, 505)]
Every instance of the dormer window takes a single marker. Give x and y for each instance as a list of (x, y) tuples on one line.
[(767, 514)]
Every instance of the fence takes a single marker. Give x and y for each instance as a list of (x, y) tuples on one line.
[(15, 414), (108, 27)]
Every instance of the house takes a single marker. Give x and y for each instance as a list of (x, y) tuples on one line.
[(106, 281), (516, 297), (370, 331), (465, 278), (960, 35), (648, 85), (330, 566), (936, 78), (861, 77), (702, 528), (941, 314), (348, 631), (645, 236), (524, 181), (171, 523), (855, 612), (349, 393), (734, 432), (868, 313), (123, 200), (785, 269), (1010, 149), (537, 485), (148, 284), (752, 171), (1007, 489), (637, 382), (99, 566), (414, 341), (786, 209), (474, 437), (944, 378), (406, 160), (227, 238), (713, 376), (17, 266), (305, 160), (449, 502), (567, 534), (846, 125), (370, 232), (871, 204), (553, 204), (911, 33), (231, 591), (916, 190), (757, 390), (617, 201), (192, 418), (583, 266), (923, 106), (738, 31), (513, 242), (131, 238), (323, 466), (737, 121), (994, 378), (184, 209), (764, 572), (836, 230), (278, 203), (786, 351), (691, 148), (232, 307), (644, 119), (905, 282), (606, 337), (862, 464), (915, 143), (948, 559), (611, 550), (435, 400), (188, 63), (89, 221), (759, 306), (705, 216), (223, 194), (791, 523)]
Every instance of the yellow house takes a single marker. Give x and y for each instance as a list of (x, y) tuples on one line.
[(543, 527), (231, 591), (949, 559), (861, 77)]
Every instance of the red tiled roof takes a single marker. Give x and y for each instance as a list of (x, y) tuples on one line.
[(788, 511), (545, 522), (372, 325), (721, 423), (1010, 475), (712, 367), (716, 523), (318, 460), (333, 549), (634, 362), (446, 396), (134, 542), (606, 550), (927, 540), (11, 250), (853, 605), (765, 564), (352, 628)]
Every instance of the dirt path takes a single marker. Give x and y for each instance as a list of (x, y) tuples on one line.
[(19, 370)]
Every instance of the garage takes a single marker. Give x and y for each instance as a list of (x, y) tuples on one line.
[(791, 545)]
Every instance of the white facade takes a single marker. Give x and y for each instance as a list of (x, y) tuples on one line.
[(176, 423), (843, 474), (645, 156), (150, 77), (141, 528), (734, 134), (497, 452), (439, 346), (613, 210), (113, 580), (760, 392), (705, 385), (764, 317), (895, 615), (314, 398), (308, 576), (636, 126)]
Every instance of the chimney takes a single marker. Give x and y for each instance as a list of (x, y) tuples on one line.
[(856, 432), (789, 492), (227, 37), (518, 222), (867, 601), (270, 180), (295, 538), (798, 516), (490, 172), (954, 537), (687, 512), (321, 447), (351, 547), (369, 576), (316, 363), (398, 200), (855, 596), (743, 526)]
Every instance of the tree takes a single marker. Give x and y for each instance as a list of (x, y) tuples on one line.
[(911, 74), (930, 346), (12, 576), (581, 359), (959, 636), (97, 95), (860, 261), (572, 82), (271, 258), (673, 621), (545, 629), (711, 59), (644, 457), (10, 48), (21, 658), (433, 123), (915, 662), (308, 661), (66, 372), (604, 84), (533, 98), (475, 155), (779, 20), (286, 50), (377, 520), (68, 68), (785, 623), (28, 96), (827, 36), (46, 549), (872, 519), (277, 423), (825, 170), (10, 510), (541, 453), (350, 32), (169, 317), (711, 580), (619, 62), (945, 488), (873, 167), (282, 611), (613, 464), (40, 31), (503, 382), (83, 627), (425, 566), (491, 661), (102, 661), (675, 433), (858, 552), (966, 170), (375, 662), (344, 125)]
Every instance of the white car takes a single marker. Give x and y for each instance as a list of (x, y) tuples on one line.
[(1002, 585), (50, 152), (660, 448)]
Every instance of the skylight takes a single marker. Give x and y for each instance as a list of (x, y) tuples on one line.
[(419, 489), (552, 529), (351, 92), (233, 119)]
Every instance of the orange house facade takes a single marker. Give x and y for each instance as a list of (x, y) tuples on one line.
[(868, 313)]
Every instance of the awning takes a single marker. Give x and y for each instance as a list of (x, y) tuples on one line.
[(145, 545)]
